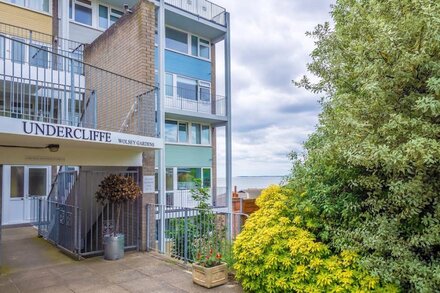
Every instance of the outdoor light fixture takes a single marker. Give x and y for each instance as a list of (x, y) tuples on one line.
[(53, 147)]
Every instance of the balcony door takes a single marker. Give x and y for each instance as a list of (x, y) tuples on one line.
[(22, 187)]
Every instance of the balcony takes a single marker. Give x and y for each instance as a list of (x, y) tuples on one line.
[(183, 198), (69, 100), (194, 99), (56, 45), (201, 8)]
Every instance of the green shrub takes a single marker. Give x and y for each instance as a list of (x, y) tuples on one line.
[(274, 254)]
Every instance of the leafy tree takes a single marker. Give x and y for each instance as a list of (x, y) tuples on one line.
[(276, 252), (372, 168)]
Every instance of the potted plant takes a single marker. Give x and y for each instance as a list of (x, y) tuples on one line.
[(209, 270), (116, 189)]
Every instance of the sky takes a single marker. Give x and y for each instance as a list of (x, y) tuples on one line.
[(270, 116)]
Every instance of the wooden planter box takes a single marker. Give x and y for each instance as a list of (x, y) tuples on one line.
[(210, 277)]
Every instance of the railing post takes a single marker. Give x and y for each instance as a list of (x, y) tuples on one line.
[(39, 216), (78, 244), (148, 226), (72, 93), (185, 239)]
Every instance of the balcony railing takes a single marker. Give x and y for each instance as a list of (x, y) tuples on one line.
[(184, 198), (196, 99), (50, 43), (38, 84), (202, 8)]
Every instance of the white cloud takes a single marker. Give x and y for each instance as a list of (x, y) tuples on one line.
[(271, 117)]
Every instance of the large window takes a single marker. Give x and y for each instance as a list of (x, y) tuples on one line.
[(83, 12), (195, 133), (169, 85), (169, 179), (108, 16), (18, 53), (39, 56), (186, 177), (176, 40), (39, 5), (187, 88), (205, 134), (176, 131), (2, 47), (171, 131)]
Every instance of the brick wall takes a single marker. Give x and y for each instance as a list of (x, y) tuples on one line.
[(127, 49)]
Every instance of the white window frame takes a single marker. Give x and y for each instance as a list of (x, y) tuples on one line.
[(109, 15), (91, 6), (189, 42), (189, 133), (29, 8), (199, 84)]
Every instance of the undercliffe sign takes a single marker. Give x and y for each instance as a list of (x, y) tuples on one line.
[(66, 132), (63, 131)]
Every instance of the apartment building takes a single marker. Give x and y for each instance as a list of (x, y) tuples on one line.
[(90, 88)]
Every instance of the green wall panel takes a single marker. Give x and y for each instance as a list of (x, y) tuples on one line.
[(188, 156)]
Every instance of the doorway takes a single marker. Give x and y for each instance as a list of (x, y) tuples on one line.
[(23, 186)]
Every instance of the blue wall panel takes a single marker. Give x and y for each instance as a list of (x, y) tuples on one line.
[(185, 65)]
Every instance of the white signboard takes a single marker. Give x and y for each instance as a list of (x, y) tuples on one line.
[(148, 184), (66, 132)]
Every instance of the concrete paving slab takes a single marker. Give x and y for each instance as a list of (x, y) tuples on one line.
[(43, 268)]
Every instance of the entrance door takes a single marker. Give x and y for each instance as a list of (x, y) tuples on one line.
[(23, 186)]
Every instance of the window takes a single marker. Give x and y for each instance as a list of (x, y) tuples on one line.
[(83, 11), (38, 56), (115, 15), (206, 177), (169, 179), (2, 47), (17, 54), (187, 88), (205, 134), (40, 5), (103, 17), (195, 133), (204, 91), (186, 176), (17, 181), (169, 82), (204, 49), (183, 132), (176, 131), (37, 181), (170, 131), (194, 46), (176, 40)]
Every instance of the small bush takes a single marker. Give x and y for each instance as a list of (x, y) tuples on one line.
[(274, 254)]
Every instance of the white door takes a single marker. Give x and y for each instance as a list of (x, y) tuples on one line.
[(22, 186)]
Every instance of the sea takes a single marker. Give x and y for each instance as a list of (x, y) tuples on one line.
[(245, 182)]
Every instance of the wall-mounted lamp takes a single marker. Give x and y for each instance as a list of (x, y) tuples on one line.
[(53, 147)]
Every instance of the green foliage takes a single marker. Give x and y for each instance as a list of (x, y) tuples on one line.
[(372, 168), (201, 232), (276, 253)]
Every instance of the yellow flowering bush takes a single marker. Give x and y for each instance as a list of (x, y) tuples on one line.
[(274, 253)]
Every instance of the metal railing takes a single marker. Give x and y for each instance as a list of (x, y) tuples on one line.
[(202, 8), (72, 92), (190, 231), (184, 198), (55, 44), (195, 100), (77, 223)]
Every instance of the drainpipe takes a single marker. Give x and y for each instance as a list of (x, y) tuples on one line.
[(228, 101), (161, 121)]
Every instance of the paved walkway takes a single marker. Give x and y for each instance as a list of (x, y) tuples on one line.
[(30, 264)]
